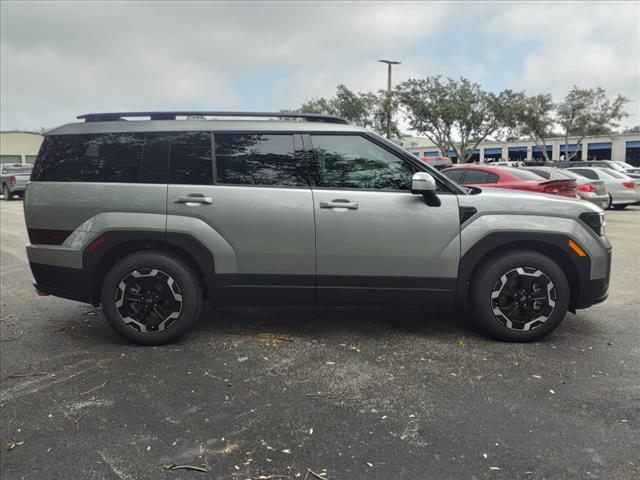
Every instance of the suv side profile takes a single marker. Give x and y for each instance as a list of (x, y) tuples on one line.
[(150, 217)]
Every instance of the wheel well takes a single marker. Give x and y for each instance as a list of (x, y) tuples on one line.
[(555, 253), (127, 248)]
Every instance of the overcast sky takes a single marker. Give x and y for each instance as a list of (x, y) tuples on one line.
[(61, 59)]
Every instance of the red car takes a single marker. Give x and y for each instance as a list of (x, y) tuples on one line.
[(509, 177)]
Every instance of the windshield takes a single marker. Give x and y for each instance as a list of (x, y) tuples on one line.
[(614, 174), (13, 170)]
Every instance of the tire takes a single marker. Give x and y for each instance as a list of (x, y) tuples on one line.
[(5, 192), (154, 283), (523, 273), (620, 206), (610, 203)]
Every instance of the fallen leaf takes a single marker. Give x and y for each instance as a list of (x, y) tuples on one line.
[(494, 468), (331, 363), (552, 392), (286, 450), (370, 464)]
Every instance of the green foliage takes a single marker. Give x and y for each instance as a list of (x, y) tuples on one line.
[(534, 120), (589, 112), (442, 109), (366, 109)]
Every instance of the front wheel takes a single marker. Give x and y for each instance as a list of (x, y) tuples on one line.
[(151, 298), (520, 296)]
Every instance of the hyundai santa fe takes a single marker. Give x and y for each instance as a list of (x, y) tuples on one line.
[(148, 214)]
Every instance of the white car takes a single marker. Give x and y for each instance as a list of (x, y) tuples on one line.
[(622, 189)]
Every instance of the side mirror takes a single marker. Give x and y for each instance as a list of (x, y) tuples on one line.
[(424, 184)]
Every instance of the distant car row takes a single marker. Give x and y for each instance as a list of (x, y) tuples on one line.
[(603, 186)]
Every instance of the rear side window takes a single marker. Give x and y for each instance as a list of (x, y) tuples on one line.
[(105, 157), (479, 176), (257, 159), (524, 174), (191, 160), (455, 175)]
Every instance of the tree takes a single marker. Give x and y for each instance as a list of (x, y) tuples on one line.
[(534, 119), (366, 109), (586, 112), (442, 109), (635, 129)]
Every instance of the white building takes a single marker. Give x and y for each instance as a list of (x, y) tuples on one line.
[(19, 147), (619, 146)]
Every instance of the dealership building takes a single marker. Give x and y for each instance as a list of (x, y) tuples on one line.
[(19, 146), (620, 146)]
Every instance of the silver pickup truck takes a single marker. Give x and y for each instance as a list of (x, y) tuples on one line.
[(14, 178)]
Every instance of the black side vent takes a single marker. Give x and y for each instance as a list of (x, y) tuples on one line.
[(466, 213)]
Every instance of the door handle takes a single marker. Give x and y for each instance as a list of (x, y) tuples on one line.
[(193, 198), (340, 203)]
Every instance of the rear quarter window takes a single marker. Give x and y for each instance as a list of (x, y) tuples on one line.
[(105, 157)]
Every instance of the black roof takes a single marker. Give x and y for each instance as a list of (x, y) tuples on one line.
[(115, 116)]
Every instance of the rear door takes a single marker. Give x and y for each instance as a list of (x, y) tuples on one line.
[(245, 196), (375, 241)]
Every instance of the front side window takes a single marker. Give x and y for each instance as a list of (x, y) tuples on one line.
[(257, 159), (352, 161), (103, 157)]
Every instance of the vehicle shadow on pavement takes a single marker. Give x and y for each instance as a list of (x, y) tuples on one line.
[(323, 321)]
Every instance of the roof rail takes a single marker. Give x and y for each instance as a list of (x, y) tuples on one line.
[(115, 116)]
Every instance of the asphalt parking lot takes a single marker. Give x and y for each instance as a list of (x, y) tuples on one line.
[(346, 393)]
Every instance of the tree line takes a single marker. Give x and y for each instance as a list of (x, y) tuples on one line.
[(458, 115)]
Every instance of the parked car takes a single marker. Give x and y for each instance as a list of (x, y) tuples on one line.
[(507, 163), (437, 162), (150, 217), (608, 164), (14, 178), (593, 191), (510, 177), (623, 190)]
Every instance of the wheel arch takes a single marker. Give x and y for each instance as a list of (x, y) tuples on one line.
[(553, 245), (119, 244)]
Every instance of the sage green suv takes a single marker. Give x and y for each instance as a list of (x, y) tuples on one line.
[(150, 213)]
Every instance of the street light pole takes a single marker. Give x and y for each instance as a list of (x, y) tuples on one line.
[(389, 63)]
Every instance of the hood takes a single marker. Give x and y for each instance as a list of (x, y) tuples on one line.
[(498, 200)]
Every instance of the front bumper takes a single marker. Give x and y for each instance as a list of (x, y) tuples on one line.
[(595, 291)]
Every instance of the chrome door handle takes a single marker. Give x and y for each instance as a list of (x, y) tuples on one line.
[(340, 203), (193, 198)]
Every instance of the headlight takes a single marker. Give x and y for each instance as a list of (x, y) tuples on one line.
[(595, 222)]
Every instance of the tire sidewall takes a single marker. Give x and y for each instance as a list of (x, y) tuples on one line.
[(490, 274), (183, 276)]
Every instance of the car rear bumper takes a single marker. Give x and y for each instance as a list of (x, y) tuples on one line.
[(601, 201), (70, 283)]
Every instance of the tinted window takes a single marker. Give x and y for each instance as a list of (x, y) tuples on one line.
[(586, 173), (191, 161), (107, 157), (615, 174), (542, 173), (350, 161), (256, 159), (478, 176), (455, 175), (524, 174)]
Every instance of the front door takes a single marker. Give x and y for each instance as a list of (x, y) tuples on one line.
[(375, 241)]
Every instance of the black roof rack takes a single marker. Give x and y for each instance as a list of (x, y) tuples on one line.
[(115, 116)]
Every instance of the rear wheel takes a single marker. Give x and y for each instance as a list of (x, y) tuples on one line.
[(520, 296), (151, 298), (5, 192), (620, 206)]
